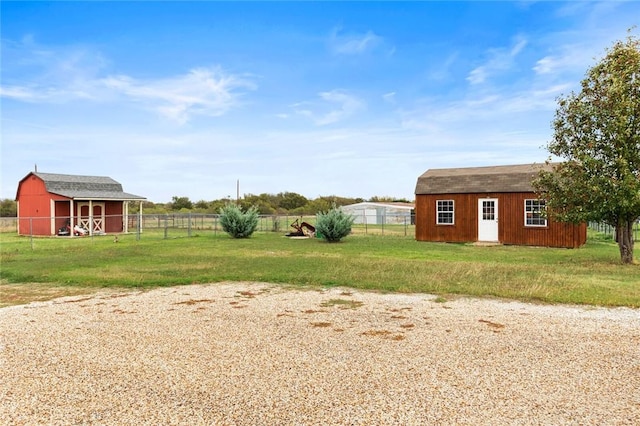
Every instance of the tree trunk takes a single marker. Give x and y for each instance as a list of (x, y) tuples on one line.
[(624, 237)]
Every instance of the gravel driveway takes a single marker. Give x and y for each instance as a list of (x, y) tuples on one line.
[(260, 354)]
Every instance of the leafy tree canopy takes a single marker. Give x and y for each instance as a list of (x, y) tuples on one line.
[(597, 132), (8, 208), (179, 203)]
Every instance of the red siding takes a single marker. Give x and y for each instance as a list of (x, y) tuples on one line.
[(113, 221), (35, 210), (62, 213), (34, 205), (511, 226)]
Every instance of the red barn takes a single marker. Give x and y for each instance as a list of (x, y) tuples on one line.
[(48, 202), (492, 204)]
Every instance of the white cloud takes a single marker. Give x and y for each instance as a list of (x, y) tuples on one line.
[(24, 94), (202, 91), (390, 97), (499, 60), (333, 106), (47, 75), (353, 44)]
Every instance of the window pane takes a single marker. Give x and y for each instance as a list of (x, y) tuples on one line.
[(488, 210), (535, 212), (444, 212)]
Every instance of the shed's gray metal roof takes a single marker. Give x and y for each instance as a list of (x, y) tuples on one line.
[(85, 187), (471, 180)]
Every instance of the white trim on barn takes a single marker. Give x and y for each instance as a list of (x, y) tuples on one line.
[(371, 213)]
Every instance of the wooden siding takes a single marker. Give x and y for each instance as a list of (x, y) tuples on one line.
[(511, 222), (35, 202), (62, 213), (35, 209), (114, 221)]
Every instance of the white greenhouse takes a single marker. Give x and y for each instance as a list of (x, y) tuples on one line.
[(371, 213)]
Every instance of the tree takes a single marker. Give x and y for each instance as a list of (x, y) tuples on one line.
[(8, 208), (179, 203), (334, 224), (201, 205), (597, 132), (237, 223), (291, 200)]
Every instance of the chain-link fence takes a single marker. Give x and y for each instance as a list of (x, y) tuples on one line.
[(175, 225), (181, 224)]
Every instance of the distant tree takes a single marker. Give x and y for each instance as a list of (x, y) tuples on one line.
[(334, 224), (291, 200), (216, 205), (387, 199), (148, 207), (402, 200), (383, 199), (179, 203), (340, 201), (237, 223), (318, 205), (8, 208), (264, 207), (201, 205), (597, 131)]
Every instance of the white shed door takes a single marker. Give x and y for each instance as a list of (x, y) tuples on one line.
[(488, 219)]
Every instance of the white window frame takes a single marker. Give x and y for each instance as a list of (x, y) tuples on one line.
[(439, 204), (535, 207)]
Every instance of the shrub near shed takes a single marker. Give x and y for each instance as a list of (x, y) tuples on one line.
[(237, 223), (334, 225)]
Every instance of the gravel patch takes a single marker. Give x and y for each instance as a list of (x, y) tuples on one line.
[(260, 354)]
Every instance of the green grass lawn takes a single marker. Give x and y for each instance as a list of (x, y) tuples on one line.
[(39, 268)]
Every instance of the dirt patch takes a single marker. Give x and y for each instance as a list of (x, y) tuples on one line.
[(21, 294)]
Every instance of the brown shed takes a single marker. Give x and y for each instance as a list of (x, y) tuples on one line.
[(48, 202), (489, 204)]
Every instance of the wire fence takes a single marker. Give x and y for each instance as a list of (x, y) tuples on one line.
[(610, 232), (175, 225)]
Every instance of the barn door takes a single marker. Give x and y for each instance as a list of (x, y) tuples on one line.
[(93, 221), (488, 219)]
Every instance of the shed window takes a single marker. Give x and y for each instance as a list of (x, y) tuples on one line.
[(444, 212), (535, 213)]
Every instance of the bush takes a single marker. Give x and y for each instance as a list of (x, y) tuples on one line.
[(334, 225), (236, 223)]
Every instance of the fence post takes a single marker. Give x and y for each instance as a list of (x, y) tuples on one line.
[(166, 226), (31, 232), (189, 225), (364, 215)]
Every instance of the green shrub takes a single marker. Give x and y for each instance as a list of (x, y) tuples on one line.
[(334, 225), (237, 223)]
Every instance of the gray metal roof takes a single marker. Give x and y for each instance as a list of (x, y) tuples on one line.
[(472, 180), (85, 187)]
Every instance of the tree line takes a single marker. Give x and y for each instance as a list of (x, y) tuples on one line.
[(267, 204)]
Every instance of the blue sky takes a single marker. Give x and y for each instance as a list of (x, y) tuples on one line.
[(319, 98)]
